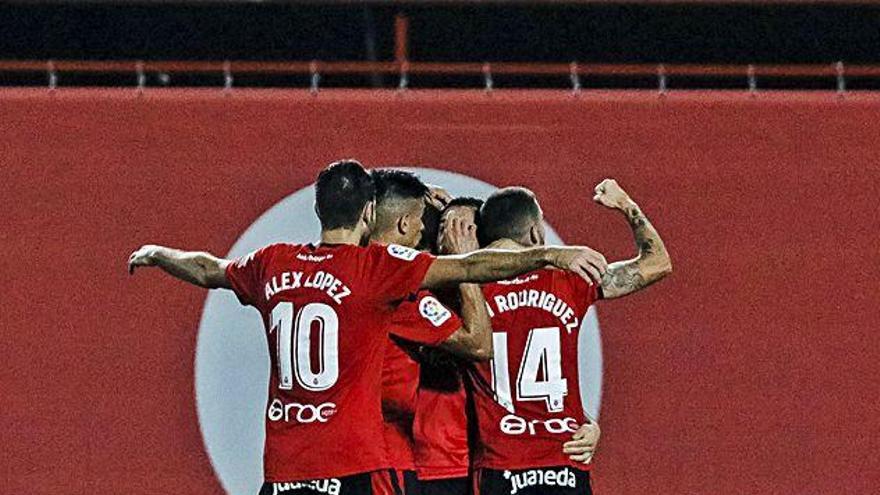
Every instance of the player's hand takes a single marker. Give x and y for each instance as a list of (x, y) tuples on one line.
[(586, 262), (437, 196), (457, 235), (144, 256), (609, 193), (583, 443)]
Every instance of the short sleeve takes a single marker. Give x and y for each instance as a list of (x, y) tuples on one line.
[(395, 271), (584, 295), (424, 319), (245, 274)]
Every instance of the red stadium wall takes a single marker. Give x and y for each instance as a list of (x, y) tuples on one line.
[(753, 369)]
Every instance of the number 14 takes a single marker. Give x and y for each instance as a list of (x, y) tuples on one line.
[(540, 373)]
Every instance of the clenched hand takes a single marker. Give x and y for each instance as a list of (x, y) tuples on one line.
[(144, 256), (609, 193)]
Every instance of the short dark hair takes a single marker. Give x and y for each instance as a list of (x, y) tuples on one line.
[(507, 213), (475, 203), (342, 191), (467, 201), (397, 184)]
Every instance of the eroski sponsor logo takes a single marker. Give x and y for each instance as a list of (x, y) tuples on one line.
[(320, 280), (544, 477), (301, 413), (512, 424), (329, 486)]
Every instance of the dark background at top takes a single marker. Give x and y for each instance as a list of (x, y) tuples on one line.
[(559, 33)]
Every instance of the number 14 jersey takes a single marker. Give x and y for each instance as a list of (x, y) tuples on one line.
[(326, 310), (527, 397)]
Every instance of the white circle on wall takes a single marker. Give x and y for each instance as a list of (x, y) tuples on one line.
[(232, 358)]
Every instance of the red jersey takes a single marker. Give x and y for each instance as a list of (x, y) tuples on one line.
[(420, 318), (440, 428), (527, 397), (326, 311)]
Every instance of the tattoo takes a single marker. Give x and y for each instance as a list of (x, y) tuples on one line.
[(622, 278), (646, 236), (635, 216), (625, 277)]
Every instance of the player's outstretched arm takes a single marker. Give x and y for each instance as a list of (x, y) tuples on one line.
[(490, 265), (474, 339), (652, 263), (197, 268)]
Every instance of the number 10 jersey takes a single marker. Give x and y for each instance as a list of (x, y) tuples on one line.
[(527, 397), (326, 310)]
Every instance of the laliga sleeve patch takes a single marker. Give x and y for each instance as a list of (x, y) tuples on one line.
[(403, 253), (431, 309)]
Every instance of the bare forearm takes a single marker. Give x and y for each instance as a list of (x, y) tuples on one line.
[(483, 266), (198, 268), (652, 251), (489, 265), (651, 264), (475, 320)]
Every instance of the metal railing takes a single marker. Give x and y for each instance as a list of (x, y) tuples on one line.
[(576, 72), (403, 68)]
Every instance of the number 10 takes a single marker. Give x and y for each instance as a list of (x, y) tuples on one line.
[(296, 359)]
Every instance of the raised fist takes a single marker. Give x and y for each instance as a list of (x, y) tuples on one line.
[(611, 195)]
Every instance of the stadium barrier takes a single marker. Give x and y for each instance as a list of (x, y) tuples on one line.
[(577, 73)]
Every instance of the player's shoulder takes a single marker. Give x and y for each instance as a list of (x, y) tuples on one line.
[(257, 254), (573, 287), (565, 279), (525, 280), (285, 252), (393, 251), (548, 279), (281, 248), (557, 280)]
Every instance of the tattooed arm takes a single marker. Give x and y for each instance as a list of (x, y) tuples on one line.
[(652, 263)]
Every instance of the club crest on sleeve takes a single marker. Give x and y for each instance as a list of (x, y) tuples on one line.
[(431, 309), (400, 252)]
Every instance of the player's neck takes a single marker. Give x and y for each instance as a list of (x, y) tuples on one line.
[(342, 236), (383, 238), (506, 244)]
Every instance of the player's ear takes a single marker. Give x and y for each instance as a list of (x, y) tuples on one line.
[(403, 225), (369, 215), (536, 237)]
